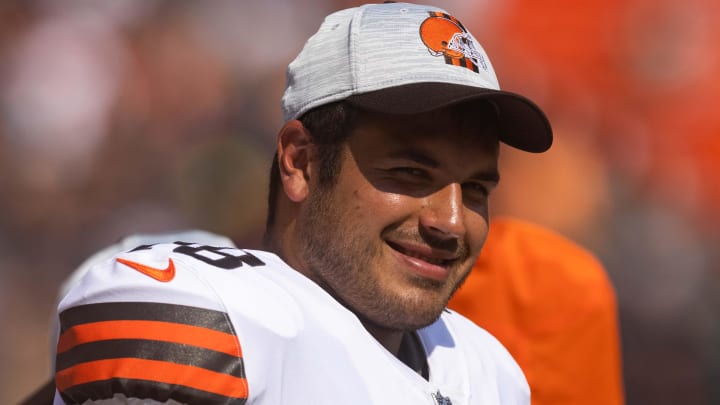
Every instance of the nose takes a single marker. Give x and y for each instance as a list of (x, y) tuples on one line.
[(442, 212)]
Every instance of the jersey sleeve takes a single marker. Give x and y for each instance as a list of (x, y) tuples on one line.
[(148, 326), (125, 244)]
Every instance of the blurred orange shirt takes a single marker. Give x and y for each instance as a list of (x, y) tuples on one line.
[(551, 304)]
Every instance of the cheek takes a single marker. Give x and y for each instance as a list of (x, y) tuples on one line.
[(392, 201), (389, 210), (477, 230), (368, 206), (369, 201)]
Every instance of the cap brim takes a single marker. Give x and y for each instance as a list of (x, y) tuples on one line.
[(523, 124)]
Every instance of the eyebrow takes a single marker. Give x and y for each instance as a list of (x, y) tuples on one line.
[(422, 158), (489, 175), (416, 156)]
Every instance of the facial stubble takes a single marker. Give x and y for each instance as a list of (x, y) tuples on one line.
[(339, 261)]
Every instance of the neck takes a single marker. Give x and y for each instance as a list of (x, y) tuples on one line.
[(390, 339), (403, 345)]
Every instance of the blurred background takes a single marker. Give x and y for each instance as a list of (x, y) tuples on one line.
[(132, 116)]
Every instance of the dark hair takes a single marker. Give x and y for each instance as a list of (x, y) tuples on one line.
[(329, 126)]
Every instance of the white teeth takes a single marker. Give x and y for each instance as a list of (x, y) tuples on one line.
[(437, 262), (426, 259)]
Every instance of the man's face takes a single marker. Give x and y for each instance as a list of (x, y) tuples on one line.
[(401, 229)]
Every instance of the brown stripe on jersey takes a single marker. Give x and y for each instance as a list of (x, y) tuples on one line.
[(151, 311), (146, 389), (151, 370), (161, 348), (152, 350)]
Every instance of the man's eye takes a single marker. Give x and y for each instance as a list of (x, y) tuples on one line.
[(411, 171), (477, 189)]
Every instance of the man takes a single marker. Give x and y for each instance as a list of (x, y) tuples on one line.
[(378, 209)]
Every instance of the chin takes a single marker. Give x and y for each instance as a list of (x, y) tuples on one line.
[(413, 311), (416, 321)]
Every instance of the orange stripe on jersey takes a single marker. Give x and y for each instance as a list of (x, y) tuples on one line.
[(149, 330), (152, 370)]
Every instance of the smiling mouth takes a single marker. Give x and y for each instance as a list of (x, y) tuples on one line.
[(432, 260)]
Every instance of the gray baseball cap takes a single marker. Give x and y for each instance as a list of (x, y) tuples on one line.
[(403, 58)]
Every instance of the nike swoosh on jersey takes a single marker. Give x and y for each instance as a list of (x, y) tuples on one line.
[(149, 350), (163, 275)]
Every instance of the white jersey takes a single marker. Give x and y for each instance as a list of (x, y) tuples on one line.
[(195, 324)]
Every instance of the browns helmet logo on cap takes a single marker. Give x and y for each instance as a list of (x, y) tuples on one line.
[(445, 36)]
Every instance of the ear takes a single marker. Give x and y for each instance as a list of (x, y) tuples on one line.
[(293, 147)]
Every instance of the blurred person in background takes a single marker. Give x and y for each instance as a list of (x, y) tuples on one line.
[(550, 302)]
